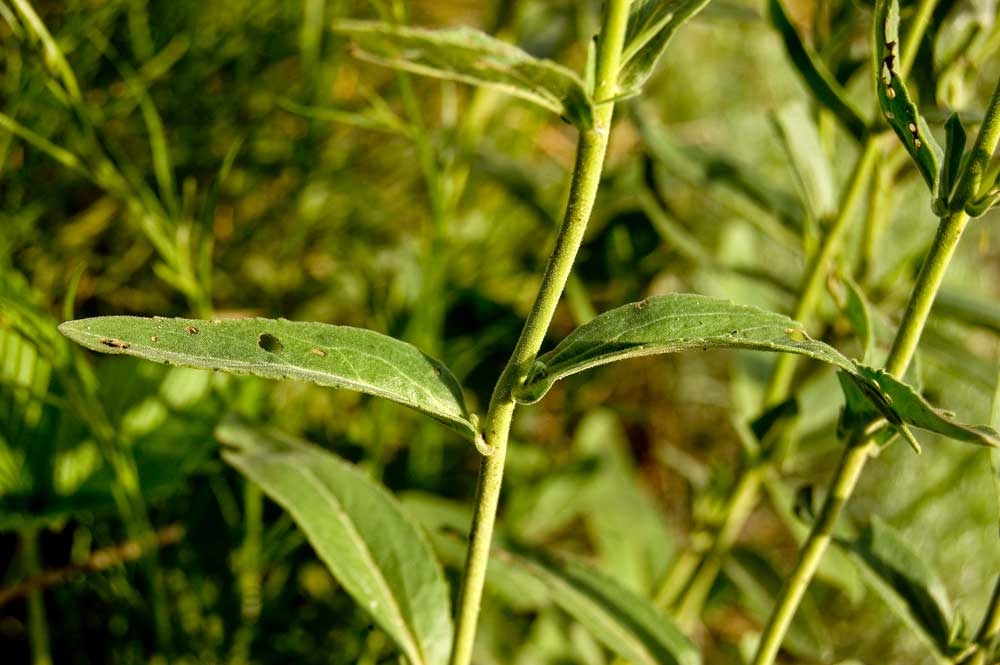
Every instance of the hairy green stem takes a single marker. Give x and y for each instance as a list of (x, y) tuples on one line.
[(857, 452), (591, 149)]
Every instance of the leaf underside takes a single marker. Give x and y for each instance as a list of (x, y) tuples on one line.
[(357, 528), (336, 356), (470, 56)]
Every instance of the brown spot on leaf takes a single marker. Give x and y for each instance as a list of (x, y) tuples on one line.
[(270, 343), (317, 352), (191, 330), (113, 343)]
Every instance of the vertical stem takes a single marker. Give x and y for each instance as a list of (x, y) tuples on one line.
[(591, 149), (38, 628), (856, 454)]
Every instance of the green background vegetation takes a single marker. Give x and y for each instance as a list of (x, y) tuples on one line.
[(231, 158)]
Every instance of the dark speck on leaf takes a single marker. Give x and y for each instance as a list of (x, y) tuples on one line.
[(641, 305), (317, 352), (437, 371), (113, 343), (191, 330), (270, 343)]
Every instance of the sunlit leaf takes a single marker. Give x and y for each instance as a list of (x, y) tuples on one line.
[(470, 56), (667, 324), (626, 622), (359, 531), (337, 356), (806, 156), (900, 111)]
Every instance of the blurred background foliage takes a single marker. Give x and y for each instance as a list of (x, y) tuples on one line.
[(230, 158)]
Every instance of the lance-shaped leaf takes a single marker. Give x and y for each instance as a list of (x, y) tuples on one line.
[(651, 24), (337, 356), (374, 550), (626, 622), (470, 56), (901, 405), (667, 324), (951, 166), (815, 74), (907, 584), (801, 141), (900, 111)]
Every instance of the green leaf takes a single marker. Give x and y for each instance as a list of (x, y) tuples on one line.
[(954, 148), (667, 324), (359, 531), (907, 584), (626, 622), (815, 74), (651, 24), (980, 206), (801, 141), (337, 356), (470, 56), (894, 99), (901, 405), (857, 310)]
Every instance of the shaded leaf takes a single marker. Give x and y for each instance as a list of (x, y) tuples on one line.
[(667, 324), (904, 581), (651, 24), (953, 151), (806, 156), (359, 531), (894, 99), (626, 622), (470, 56), (857, 310), (337, 356), (815, 74)]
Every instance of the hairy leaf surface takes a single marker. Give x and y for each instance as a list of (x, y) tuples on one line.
[(470, 56), (667, 324), (357, 528), (337, 356)]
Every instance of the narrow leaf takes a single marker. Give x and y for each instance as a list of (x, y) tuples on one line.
[(904, 581), (651, 24), (901, 404), (667, 324), (894, 99), (815, 74), (626, 622), (359, 531), (954, 148), (337, 356), (857, 310), (470, 56)]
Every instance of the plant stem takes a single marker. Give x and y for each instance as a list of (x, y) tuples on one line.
[(925, 11), (856, 453), (38, 628), (591, 149)]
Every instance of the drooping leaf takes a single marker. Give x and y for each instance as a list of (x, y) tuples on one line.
[(667, 324), (801, 141), (894, 99), (337, 356), (470, 56), (626, 622), (651, 24), (359, 531), (980, 206), (815, 74), (901, 405), (907, 583)]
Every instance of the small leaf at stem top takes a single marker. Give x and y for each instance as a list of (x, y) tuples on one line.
[(651, 24)]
